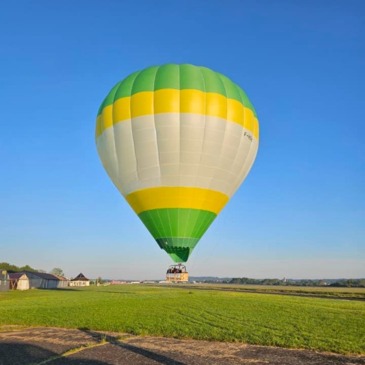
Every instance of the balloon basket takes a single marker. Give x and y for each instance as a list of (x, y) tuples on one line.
[(177, 274)]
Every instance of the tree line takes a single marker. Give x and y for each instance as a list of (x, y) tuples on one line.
[(352, 283), (5, 266)]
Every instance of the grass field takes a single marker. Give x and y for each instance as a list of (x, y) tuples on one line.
[(276, 320)]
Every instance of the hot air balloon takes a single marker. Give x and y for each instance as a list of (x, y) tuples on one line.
[(177, 141)]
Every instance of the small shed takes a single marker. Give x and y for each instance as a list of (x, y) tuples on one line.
[(18, 281), (80, 280)]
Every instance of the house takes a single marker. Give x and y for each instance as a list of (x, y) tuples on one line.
[(4, 281), (25, 280), (80, 280)]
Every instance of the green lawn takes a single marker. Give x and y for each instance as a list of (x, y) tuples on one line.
[(276, 320)]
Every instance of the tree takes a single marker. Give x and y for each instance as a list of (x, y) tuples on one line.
[(13, 268), (26, 268), (57, 271)]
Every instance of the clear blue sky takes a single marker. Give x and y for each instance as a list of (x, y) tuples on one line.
[(300, 212)]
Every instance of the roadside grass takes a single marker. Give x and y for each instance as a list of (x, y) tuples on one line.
[(274, 320)]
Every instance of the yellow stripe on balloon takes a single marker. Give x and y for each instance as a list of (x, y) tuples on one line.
[(104, 120), (235, 111), (192, 101), (177, 197), (121, 109), (177, 101), (142, 104), (167, 101)]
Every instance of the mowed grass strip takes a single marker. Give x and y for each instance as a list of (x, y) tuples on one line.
[(275, 320), (320, 292)]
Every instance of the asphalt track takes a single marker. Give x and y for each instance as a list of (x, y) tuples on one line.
[(55, 346)]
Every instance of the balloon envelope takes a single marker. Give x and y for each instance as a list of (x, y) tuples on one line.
[(177, 141)]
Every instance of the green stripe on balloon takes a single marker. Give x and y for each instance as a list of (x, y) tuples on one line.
[(180, 77), (179, 249), (177, 230), (177, 222)]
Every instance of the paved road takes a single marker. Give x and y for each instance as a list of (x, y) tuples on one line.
[(54, 346)]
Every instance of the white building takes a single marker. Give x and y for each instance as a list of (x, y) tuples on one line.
[(80, 280)]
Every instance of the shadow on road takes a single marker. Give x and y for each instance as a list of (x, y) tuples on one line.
[(137, 350), (26, 354)]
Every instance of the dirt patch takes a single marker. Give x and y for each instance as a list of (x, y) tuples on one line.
[(54, 346)]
